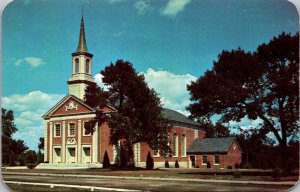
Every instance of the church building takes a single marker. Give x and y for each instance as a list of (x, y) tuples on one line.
[(68, 144)]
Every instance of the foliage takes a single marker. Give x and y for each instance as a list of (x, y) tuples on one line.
[(106, 162), (41, 143), (30, 157), (149, 162), (12, 150), (208, 166), (31, 166), (276, 173), (212, 131), (137, 116), (40, 157), (260, 85), (123, 160), (167, 164), (176, 164)]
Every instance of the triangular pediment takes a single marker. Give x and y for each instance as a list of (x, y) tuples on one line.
[(69, 105)]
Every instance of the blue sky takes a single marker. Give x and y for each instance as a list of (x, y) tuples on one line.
[(171, 41)]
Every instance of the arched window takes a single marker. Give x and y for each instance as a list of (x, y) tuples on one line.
[(87, 66), (175, 145), (76, 65), (183, 145)]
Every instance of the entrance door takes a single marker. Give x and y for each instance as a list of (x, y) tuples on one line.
[(137, 154), (56, 155), (86, 154), (71, 155)]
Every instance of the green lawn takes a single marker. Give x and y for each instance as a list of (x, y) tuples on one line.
[(227, 174)]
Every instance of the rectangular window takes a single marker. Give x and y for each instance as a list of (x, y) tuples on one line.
[(57, 130), (175, 145), (57, 151), (204, 159), (216, 160), (155, 153), (72, 152), (183, 146), (87, 151), (72, 129)]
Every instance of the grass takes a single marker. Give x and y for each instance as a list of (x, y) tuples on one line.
[(224, 174), (30, 188)]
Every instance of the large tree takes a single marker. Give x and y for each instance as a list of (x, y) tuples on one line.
[(12, 150), (137, 116), (263, 84)]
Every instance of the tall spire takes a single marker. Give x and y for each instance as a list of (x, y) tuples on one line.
[(82, 42)]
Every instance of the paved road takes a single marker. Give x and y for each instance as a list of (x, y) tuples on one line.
[(146, 185)]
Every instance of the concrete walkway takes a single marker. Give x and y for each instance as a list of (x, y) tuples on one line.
[(156, 178)]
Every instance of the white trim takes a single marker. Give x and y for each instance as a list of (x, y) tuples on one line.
[(69, 135), (45, 140), (50, 142), (176, 145), (95, 145), (195, 134), (158, 155), (89, 115), (76, 151), (215, 160), (63, 141), (79, 148), (183, 146)]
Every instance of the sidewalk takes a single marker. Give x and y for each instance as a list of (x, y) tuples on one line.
[(156, 178)]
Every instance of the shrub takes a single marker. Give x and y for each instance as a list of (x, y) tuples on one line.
[(208, 165), (149, 162), (229, 167), (46, 162), (236, 166), (176, 164), (31, 166), (123, 162), (106, 162), (167, 164), (237, 174)]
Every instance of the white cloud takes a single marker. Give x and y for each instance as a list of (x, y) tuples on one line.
[(98, 78), (34, 61), (142, 7), (174, 7), (28, 110), (18, 62), (171, 88)]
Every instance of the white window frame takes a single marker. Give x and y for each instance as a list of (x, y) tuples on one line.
[(83, 130), (202, 158), (176, 145), (183, 145), (157, 155), (215, 160), (69, 129), (55, 135)]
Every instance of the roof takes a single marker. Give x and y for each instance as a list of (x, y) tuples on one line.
[(211, 145), (82, 47), (179, 119)]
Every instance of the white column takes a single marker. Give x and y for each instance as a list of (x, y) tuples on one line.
[(79, 142), (45, 140), (50, 142), (63, 145), (95, 146)]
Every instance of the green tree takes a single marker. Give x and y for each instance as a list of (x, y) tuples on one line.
[(12, 150), (41, 143), (263, 84), (137, 116), (149, 161), (106, 162)]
